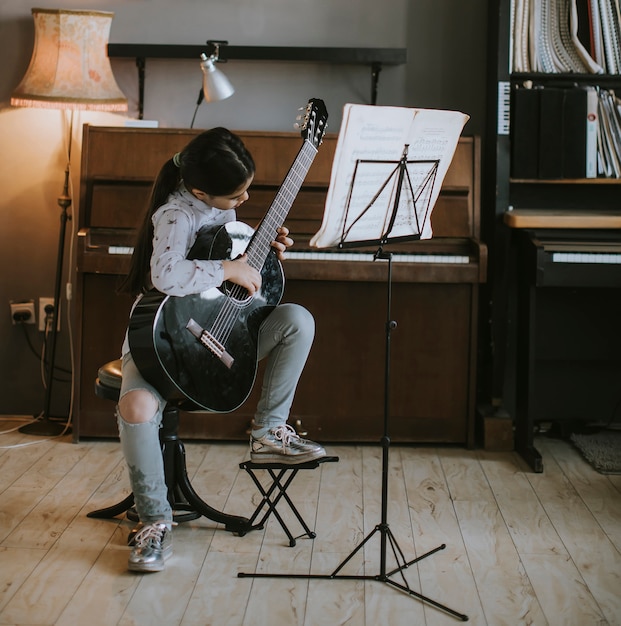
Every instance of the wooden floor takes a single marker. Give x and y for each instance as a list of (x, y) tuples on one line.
[(521, 548)]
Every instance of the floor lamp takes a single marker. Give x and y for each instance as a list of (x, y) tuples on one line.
[(69, 70)]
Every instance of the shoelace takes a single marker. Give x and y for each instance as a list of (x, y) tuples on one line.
[(150, 532), (285, 433)]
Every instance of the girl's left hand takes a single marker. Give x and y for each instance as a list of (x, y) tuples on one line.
[(282, 242)]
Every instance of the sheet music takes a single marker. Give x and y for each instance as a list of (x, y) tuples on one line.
[(545, 36), (611, 25), (571, 59), (369, 136), (520, 61), (582, 52)]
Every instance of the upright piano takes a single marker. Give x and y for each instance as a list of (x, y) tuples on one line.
[(568, 352), (435, 289)]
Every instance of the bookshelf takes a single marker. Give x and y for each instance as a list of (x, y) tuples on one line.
[(533, 353)]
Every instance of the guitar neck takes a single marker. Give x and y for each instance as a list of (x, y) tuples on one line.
[(261, 242)]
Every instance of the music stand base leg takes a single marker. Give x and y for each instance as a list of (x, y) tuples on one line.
[(382, 577)]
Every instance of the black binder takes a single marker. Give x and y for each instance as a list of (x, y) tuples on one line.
[(575, 133), (551, 132), (525, 133)]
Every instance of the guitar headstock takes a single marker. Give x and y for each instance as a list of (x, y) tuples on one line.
[(314, 121)]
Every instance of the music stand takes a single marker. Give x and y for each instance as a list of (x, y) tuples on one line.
[(424, 171)]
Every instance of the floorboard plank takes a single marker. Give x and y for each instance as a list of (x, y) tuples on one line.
[(594, 555), (446, 575), (506, 593), (596, 491), (16, 566)]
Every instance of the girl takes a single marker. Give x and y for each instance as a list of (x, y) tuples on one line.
[(201, 186)]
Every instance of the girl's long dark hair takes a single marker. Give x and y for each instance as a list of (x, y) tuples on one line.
[(216, 162)]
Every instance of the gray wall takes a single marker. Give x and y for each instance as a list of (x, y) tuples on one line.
[(446, 46)]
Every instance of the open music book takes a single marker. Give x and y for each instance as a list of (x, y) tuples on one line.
[(372, 141)]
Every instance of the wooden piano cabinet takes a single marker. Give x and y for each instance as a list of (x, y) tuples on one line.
[(104, 319), (340, 396)]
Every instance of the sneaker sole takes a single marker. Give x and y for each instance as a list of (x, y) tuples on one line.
[(286, 459)]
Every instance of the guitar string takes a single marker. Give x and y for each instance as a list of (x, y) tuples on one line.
[(229, 313), (230, 310)]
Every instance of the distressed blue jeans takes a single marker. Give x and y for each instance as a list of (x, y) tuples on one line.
[(285, 339)]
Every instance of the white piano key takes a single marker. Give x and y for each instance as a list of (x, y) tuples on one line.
[(120, 250), (604, 258)]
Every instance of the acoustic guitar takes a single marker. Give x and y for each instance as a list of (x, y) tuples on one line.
[(201, 349)]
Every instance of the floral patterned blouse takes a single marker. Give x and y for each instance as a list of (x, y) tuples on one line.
[(176, 225)]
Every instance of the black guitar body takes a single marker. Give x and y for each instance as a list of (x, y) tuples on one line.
[(175, 361)]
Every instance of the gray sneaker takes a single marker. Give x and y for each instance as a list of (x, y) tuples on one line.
[(152, 546), (283, 445)]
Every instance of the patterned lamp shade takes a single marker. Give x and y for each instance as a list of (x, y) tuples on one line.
[(70, 68)]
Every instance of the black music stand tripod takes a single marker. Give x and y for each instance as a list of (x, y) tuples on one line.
[(382, 528)]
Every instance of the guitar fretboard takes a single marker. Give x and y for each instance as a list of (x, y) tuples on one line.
[(260, 244)]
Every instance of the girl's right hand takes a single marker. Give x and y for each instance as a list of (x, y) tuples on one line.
[(239, 272)]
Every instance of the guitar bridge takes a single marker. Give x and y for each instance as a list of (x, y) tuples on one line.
[(209, 341)]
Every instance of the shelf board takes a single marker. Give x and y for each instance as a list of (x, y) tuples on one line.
[(354, 56), (566, 181), (582, 79), (373, 57), (553, 218)]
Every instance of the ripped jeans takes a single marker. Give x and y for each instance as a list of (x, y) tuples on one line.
[(285, 338)]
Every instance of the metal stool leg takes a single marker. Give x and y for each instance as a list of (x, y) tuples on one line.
[(283, 493), (271, 507), (277, 472), (115, 509)]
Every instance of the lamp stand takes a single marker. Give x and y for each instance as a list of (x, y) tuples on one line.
[(45, 426)]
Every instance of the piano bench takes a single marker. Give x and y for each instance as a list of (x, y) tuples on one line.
[(278, 472)]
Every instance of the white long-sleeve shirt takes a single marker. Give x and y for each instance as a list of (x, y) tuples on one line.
[(176, 225)]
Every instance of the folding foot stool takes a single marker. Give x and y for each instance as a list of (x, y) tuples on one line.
[(278, 489)]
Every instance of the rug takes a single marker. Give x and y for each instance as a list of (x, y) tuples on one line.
[(602, 450)]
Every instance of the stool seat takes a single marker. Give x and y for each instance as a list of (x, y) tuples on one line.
[(108, 381), (278, 466), (110, 374)]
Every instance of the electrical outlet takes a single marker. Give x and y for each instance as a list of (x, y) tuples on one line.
[(43, 314), (22, 312)]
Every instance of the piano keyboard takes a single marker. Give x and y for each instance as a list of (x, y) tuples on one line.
[(368, 257), (587, 257), (504, 97), (348, 256)]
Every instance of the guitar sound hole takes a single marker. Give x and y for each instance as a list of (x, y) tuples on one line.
[(235, 292)]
